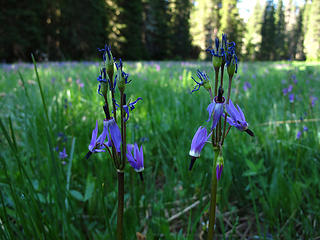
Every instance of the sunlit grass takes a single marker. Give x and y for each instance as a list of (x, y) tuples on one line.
[(270, 184)]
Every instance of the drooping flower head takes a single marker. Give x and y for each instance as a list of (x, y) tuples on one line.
[(204, 81), (236, 118), (215, 109), (199, 140), (135, 160), (127, 107)]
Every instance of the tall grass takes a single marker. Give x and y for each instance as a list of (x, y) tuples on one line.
[(270, 185)]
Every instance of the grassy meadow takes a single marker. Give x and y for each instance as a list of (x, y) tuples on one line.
[(270, 185)]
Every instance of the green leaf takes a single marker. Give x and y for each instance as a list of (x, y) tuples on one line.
[(77, 195)]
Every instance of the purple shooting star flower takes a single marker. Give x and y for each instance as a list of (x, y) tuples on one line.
[(313, 100), (136, 161), (291, 98), (63, 154), (299, 133), (198, 142), (246, 86), (237, 118)]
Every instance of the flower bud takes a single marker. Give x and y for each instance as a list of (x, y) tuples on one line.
[(231, 67), (109, 62), (103, 83), (216, 61), (219, 167)]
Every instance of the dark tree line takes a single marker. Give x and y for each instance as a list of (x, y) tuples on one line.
[(155, 29), (65, 29)]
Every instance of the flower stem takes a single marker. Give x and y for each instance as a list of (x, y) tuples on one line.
[(123, 130), (213, 201), (120, 205), (225, 116)]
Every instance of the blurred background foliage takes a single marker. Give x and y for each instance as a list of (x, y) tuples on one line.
[(157, 29)]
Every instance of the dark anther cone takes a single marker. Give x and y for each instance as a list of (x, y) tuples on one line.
[(88, 155), (193, 160), (250, 132), (141, 176)]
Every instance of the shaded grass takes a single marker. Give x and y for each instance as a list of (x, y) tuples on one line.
[(270, 185)]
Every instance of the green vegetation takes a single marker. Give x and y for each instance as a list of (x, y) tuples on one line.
[(270, 184)]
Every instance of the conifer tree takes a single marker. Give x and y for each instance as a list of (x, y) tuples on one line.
[(157, 29), (312, 34), (181, 38), (268, 32), (280, 46), (252, 36)]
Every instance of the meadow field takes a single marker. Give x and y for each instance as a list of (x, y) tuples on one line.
[(270, 185)]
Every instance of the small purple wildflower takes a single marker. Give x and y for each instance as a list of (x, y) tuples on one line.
[(305, 128), (236, 118), (291, 98), (136, 161), (290, 88), (158, 67), (80, 84), (63, 154), (285, 91), (313, 100), (215, 109), (299, 133), (246, 86)]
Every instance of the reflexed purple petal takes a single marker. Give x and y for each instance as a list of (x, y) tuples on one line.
[(104, 133), (115, 134), (231, 110), (217, 114), (241, 113), (93, 138), (219, 171), (210, 110)]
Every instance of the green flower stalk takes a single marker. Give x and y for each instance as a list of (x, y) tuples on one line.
[(113, 139), (221, 112)]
